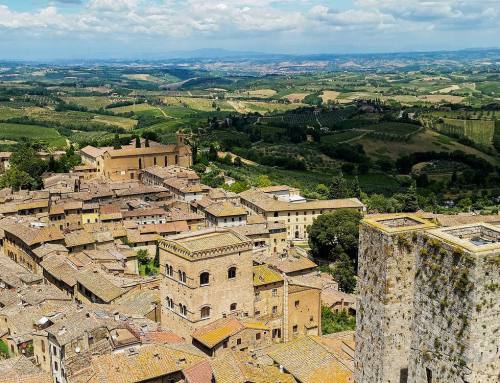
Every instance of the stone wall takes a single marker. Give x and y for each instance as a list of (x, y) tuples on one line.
[(455, 329), (386, 271)]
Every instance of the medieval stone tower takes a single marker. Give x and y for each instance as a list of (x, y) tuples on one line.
[(429, 302), (386, 273), (456, 330)]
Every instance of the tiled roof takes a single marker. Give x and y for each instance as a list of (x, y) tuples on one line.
[(215, 332), (263, 275), (31, 235), (99, 285), (127, 152), (208, 240), (169, 227), (308, 360), (60, 268), (225, 209), (21, 370), (147, 363), (290, 263), (238, 367), (94, 152), (144, 213), (200, 372), (79, 238)]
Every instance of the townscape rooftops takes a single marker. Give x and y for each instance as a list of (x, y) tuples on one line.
[(31, 235), (21, 370)]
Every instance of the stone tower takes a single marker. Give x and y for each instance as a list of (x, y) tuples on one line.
[(206, 275), (386, 272), (456, 327)]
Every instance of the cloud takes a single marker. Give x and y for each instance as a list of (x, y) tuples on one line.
[(250, 22)]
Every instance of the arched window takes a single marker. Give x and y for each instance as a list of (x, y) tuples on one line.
[(231, 272), (233, 306), (182, 276), (204, 278), (205, 312), (140, 163), (182, 309)]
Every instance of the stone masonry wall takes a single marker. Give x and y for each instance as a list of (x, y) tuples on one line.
[(457, 306), (386, 272)]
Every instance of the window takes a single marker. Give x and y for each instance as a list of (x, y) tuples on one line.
[(183, 309), (275, 292), (275, 310), (231, 272), (205, 312), (43, 345), (233, 306), (257, 295), (204, 278), (238, 341), (182, 276), (428, 373), (224, 344), (169, 270), (275, 213), (276, 333), (257, 312), (154, 160), (297, 303), (257, 336), (165, 160), (140, 163), (295, 329), (403, 375), (56, 367)]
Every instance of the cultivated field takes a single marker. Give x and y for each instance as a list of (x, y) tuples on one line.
[(15, 132)]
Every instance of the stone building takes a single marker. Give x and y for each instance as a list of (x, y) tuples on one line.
[(457, 306), (386, 272), (207, 275), (127, 162), (296, 215), (428, 302)]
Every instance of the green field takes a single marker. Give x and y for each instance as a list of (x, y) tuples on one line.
[(91, 102), (479, 131), (15, 132), (343, 136), (126, 123)]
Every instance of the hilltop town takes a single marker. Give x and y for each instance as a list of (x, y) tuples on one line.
[(127, 268)]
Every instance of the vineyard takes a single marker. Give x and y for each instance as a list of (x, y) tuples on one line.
[(343, 136), (329, 120), (393, 131), (479, 131)]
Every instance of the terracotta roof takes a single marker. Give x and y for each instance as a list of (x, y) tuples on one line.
[(264, 275), (215, 332), (32, 236), (21, 370), (200, 372), (79, 238), (209, 239), (146, 363), (144, 213), (165, 228), (225, 209), (60, 268), (238, 367), (309, 361), (290, 263), (127, 152), (99, 285), (94, 152)]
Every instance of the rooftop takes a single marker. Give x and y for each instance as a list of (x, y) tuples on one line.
[(476, 238), (396, 223)]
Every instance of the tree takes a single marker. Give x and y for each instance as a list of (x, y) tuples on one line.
[(378, 203), (142, 256), (156, 261), (344, 273), (339, 188), (333, 234), (263, 181), (116, 142), (408, 200), (212, 153), (146, 143), (137, 142), (17, 179)]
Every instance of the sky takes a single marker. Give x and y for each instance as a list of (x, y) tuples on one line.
[(93, 29)]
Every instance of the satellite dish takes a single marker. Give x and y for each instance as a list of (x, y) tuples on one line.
[(77, 350)]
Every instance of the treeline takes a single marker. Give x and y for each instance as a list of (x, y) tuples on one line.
[(405, 164), (65, 128), (287, 163)]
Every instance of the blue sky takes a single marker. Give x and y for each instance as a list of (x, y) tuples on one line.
[(44, 29)]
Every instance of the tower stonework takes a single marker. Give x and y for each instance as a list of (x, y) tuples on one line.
[(456, 331), (386, 272)]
